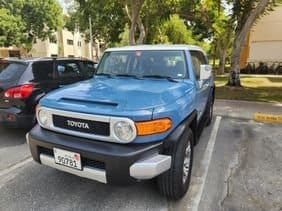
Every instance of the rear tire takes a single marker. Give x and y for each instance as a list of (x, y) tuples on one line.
[(175, 182), (209, 114)]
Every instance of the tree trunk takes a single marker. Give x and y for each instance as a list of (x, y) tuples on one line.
[(133, 23), (134, 18), (239, 41), (142, 31), (60, 43), (223, 46), (222, 59), (234, 77), (214, 56)]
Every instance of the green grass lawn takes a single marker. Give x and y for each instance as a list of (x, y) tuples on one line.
[(261, 89)]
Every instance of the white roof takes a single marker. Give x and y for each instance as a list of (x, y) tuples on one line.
[(156, 47)]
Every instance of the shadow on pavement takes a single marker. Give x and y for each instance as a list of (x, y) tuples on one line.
[(12, 136)]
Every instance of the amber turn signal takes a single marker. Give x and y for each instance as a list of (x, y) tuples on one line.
[(153, 127)]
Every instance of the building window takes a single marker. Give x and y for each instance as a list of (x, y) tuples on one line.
[(70, 42), (71, 56), (79, 43), (54, 55), (53, 39)]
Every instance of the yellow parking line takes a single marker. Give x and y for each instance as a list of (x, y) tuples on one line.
[(271, 118)]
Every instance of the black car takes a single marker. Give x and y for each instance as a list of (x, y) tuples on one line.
[(23, 82)]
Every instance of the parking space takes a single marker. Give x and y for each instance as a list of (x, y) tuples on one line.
[(244, 173), (13, 148)]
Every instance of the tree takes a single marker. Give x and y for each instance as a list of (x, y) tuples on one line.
[(133, 9), (200, 15), (11, 28), (42, 18), (149, 16), (34, 18), (108, 18), (222, 39), (245, 14), (174, 31)]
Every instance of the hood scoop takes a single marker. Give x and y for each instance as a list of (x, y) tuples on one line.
[(89, 101)]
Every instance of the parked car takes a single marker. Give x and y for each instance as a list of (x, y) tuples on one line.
[(137, 119), (23, 82)]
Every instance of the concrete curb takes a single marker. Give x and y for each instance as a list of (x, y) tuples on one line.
[(257, 111), (269, 118)]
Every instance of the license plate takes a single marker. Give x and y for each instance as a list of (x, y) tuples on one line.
[(67, 158)]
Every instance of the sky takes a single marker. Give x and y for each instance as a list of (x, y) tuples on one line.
[(64, 4)]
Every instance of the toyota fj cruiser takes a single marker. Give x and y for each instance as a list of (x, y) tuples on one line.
[(138, 118)]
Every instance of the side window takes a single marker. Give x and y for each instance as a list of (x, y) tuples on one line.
[(198, 58), (42, 71), (89, 67), (68, 69)]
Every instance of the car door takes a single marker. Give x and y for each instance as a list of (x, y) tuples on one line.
[(198, 59), (44, 76)]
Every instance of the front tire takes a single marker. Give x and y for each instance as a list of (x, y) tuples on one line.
[(175, 182)]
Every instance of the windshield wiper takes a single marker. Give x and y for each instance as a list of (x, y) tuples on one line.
[(161, 76), (105, 74), (129, 75)]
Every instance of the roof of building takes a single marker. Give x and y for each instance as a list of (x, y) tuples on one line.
[(156, 47)]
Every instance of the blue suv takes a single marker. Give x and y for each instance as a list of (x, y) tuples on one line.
[(138, 118)]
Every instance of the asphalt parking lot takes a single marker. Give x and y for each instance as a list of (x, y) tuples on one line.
[(237, 166)]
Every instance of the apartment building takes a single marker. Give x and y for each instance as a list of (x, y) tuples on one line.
[(264, 43), (11, 52), (66, 44)]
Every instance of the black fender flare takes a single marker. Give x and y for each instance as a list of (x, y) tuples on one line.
[(39, 96), (174, 137)]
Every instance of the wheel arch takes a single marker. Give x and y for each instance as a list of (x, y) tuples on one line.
[(189, 122)]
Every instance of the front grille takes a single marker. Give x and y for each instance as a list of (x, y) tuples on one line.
[(46, 151), (93, 163), (82, 125)]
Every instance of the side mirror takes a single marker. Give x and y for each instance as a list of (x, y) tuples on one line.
[(95, 66), (205, 71)]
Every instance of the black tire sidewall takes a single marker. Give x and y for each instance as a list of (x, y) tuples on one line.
[(209, 112), (187, 138), (171, 182)]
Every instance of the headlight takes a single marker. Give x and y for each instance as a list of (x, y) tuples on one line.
[(124, 131), (43, 117)]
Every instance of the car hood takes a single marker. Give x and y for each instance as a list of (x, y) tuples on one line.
[(118, 94)]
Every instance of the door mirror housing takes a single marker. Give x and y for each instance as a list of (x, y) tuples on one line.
[(95, 66), (205, 71)]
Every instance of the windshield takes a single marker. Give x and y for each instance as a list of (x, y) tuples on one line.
[(144, 63), (11, 71)]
